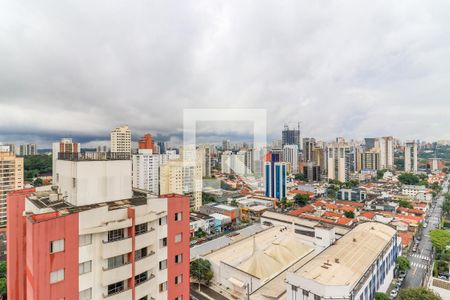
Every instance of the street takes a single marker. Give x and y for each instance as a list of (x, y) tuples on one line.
[(421, 259)]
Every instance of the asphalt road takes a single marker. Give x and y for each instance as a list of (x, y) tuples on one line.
[(421, 260)]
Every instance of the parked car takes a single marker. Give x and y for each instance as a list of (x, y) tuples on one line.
[(402, 274), (393, 293)]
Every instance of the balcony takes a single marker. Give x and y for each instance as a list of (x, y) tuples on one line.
[(147, 287), (117, 247), (146, 239), (113, 275), (146, 263), (125, 294)]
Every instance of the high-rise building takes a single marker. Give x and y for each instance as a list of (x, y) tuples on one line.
[(226, 145), (311, 171), (386, 147), (66, 147), (290, 155), (11, 177), (411, 157), (27, 149), (146, 142), (93, 237), (291, 136), (205, 154), (240, 163), (181, 177), (369, 160), (146, 170), (275, 179), (121, 139), (340, 160), (309, 144)]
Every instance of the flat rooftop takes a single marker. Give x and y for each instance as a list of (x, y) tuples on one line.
[(346, 261)]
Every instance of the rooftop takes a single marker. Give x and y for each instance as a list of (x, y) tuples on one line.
[(346, 261), (93, 156)]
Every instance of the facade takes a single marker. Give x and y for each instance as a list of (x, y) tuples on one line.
[(146, 170), (205, 154), (361, 263), (66, 146), (27, 149), (96, 245), (146, 142), (291, 136), (386, 146), (309, 144), (354, 194), (275, 179), (311, 171), (369, 160), (290, 155), (240, 163), (411, 157), (339, 161), (11, 178), (179, 177), (121, 139)]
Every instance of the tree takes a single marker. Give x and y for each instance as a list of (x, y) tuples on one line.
[(300, 176), (37, 182), (408, 178), (349, 214), (405, 203), (380, 296), (403, 263), (440, 239), (234, 203), (201, 270), (208, 198), (3, 279), (35, 165), (301, 199), (380, 173), (417, 294)]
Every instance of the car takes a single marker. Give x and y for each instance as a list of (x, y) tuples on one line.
[(425, 225), (443, 277), (393, 293), (402, 274)]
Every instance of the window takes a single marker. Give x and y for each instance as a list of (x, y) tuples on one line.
[(178, 216), (57, 276), (85, 294), (162, 221), (74, 182), (115, 288), (163, 287), (316, 297), (141, 278), (179, 258), (163, 243), (179, 297), (178, 237), (85, 239), (179, 279), (141, 253), (115, 235), (85, 267), (143, 298), (56, 246), (163, 264), (141, 228), (116, 261), (305, 293)]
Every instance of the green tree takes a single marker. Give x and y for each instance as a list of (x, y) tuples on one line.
[(3, 278), (349, 214), (403, 263), (234, 203), (405, 203), (380, 173), (208, 198), (417, 294), (300, 176), (35, 165), (408, 178), (301, 199), (440, 239), (201, 270), (37, 182), (380, 296)]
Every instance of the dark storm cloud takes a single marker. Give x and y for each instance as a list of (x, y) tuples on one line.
[(354, 68)]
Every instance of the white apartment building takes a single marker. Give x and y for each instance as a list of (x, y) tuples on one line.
[(411, 157), (240, 163), (227, 162), (361, 263), (64, 147), (27, 149), (121, 139), (339, 161), (290, 155), (146, 170), (386, 146)]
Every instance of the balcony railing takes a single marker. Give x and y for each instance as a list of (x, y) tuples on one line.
[(93, 156)]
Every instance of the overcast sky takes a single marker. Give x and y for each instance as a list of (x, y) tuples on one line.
[(342, 68)]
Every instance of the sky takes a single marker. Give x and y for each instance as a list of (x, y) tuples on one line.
[(341, 68)]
